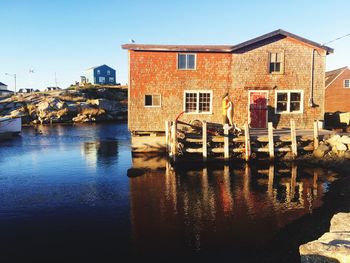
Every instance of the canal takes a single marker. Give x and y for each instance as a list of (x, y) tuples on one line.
[(76, 193)]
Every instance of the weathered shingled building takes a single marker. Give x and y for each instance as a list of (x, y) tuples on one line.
[(274, 77)]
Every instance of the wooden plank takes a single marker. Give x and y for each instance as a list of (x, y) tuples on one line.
[(247, 142), (293, 137), (271, 143), (267, 150), (205, 140), (226, 142), (316, 134)]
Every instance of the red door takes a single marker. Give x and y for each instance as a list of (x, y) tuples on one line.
[(258, 109)]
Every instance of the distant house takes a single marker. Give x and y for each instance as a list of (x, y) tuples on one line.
[(4, 91), (103, 75), (52, 88), (337, 95)]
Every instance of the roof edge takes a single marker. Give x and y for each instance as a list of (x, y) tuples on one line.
[(341, 72)]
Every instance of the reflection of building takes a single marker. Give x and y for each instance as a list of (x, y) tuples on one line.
[(100, 151), (208, 208)]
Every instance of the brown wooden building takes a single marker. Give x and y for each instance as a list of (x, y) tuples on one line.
[(274, 77), (338, 90)]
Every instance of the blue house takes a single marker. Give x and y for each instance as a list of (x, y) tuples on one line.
[(100, 75)]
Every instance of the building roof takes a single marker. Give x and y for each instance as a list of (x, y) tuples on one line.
[(223, 48), (333, 74), (100, 66), (2, 84)]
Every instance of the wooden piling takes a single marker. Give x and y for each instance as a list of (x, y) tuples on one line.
[(247, 142), (173, 141), (226, 142), (205, 140), (293, 138), (167, 139), (271, 143), (316, 142)]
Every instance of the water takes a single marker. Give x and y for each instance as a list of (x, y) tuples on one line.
[(65, 194)]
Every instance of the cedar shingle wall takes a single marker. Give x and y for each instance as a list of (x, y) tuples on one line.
[(156, 73), (338, 97)]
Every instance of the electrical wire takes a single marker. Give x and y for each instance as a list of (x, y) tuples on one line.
[(336, 39)]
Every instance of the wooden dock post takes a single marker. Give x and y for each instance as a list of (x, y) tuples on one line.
[(173, 140), (315, 134), (247, 142), (226, 142), (271, 143), (205, 140), (293, 138), (167, 139)]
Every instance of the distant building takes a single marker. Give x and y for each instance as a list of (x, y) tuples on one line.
[(4, 91), (26, 90), (103, 75), (52, 88), (338, 90)]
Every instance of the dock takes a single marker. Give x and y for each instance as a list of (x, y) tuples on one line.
[(209, 140)]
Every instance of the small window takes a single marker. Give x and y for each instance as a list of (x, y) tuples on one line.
[(101, 79), (347, 83), (198, 101), (186, 61), (98, 72), (289, 101), (275, 62), (111, 79), (108, 72), (152, 100)]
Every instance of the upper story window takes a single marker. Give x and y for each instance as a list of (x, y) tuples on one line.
[(186, 61), (108, 72), (347, 83), (152, 100), (198, 101), (276, 62), (289, 101), (98, 72)]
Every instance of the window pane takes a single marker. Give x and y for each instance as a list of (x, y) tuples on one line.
[(272, 57), (281, 106), (272, 67), (182, 61), (277, 67), (204, 102), (282, 96), (347, 83), (156, 100), (295, 96), (191, 102), (191, 61), (294, 106), (148, 100)]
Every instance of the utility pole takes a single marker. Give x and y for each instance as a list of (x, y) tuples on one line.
[(55, 80)]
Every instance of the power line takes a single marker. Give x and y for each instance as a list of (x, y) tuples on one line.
[(336, 39)]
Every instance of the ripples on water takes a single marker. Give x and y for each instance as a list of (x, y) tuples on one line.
[(64, 191)]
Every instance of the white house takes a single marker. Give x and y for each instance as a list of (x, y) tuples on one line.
[(4, 91)]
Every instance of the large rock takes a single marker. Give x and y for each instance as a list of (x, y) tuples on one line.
[(321, 150), (345, 139), (107, 105), (334, 140), (333, 246)]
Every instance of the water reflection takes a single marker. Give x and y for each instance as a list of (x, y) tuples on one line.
[(104, 152), (216, 207)]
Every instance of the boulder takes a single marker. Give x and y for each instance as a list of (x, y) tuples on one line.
[(340, 146), (321, 150), (333, 246), (345, 139), (107, 105), (334, 140), (347, 154)]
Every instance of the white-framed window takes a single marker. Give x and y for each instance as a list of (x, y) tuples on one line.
[(186, 61), (101, 79), (276, 62), (289, 101), (111, 79), (108, 72), (346, 83), (200, 101), (98, 72), (152, 100)]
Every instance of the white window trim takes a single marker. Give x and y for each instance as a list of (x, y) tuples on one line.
[(288, 102), (100, 79), (197, 106), (344, 83), (195, 61), (111, 79), (153, 106)]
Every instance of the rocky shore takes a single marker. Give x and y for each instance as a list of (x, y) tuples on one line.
[(67, 106)]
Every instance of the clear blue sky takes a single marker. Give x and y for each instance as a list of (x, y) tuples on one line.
[(68, 36)]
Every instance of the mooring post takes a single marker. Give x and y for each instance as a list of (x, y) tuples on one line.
[(226, 142), (293, 137), (205, 140), (247, 141), (173, 141), (271, 144), (271, 177), (315, 134)]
